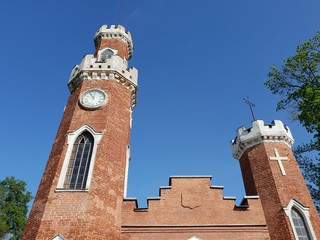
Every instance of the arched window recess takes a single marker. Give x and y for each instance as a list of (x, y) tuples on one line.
[(300, 220), (79, 160), (105, 54)]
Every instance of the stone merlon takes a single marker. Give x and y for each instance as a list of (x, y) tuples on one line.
[(258, 133)]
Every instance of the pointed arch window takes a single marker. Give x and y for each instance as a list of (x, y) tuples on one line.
[(299, 225), (79, 160), (78, 169), (300, 220)]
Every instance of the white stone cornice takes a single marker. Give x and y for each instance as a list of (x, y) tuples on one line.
[(114, 68), (258, 133)]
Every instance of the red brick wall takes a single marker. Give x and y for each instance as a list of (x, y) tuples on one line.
[(95, 214), (115, 43), (274, 189), (192, 208)]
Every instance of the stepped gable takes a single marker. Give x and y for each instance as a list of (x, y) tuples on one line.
[(190, 201)]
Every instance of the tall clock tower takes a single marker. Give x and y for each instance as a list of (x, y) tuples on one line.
[(81, 192)]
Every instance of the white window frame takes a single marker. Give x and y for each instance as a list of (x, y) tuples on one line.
[(304, 211), (115, 52), (58, 237), (71, 139)]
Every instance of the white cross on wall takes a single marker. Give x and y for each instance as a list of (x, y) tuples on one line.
[(279, 159)]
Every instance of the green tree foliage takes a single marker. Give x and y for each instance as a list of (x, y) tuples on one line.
[(13, 208), (298, 83)]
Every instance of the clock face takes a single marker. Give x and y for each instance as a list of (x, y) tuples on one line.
[(93, 98)]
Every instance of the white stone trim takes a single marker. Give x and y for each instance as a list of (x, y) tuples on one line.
[(194, 238), (229, 198), (258, 133), (127, 172), (115, 69), (154, 198), (304, 211), (130, 198), (115, 64), (71, 139), (115, 52), (216, 187), (251, 197), (58, 237), (191, 176)]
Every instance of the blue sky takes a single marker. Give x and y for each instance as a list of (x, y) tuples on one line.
[(197, 60)]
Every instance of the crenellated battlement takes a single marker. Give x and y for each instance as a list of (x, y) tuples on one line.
[(114, 32), (260, 132), (114, 68)]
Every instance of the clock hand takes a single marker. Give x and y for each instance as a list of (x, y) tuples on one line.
[(93, 95)]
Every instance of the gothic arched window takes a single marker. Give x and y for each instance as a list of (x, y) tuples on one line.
[(79, 163), (300, 220), (299, 225), (106, 54)]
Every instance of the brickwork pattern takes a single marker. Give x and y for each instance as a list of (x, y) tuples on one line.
[(188, 207), (121, 46), (191, 207), (275, 189), (84, 214)]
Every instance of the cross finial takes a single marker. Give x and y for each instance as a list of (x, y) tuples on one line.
[(251, 105)]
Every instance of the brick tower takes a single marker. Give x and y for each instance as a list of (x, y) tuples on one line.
[(81, 192), (270, 171)]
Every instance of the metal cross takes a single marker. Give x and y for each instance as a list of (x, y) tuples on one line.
[(251, 105), (279, 159)]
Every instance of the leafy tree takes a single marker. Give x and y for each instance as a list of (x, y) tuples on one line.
[(13, 208), (298, 83)]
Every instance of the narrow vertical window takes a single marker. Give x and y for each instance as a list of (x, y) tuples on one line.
[(299, 225), (78, 168), (299, 218)]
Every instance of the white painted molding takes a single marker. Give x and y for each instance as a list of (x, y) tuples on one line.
[(71, 139)]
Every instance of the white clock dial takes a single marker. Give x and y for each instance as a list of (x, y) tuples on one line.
[(93, 98)]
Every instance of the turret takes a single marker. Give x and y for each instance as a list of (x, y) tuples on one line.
[(270, 170)]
